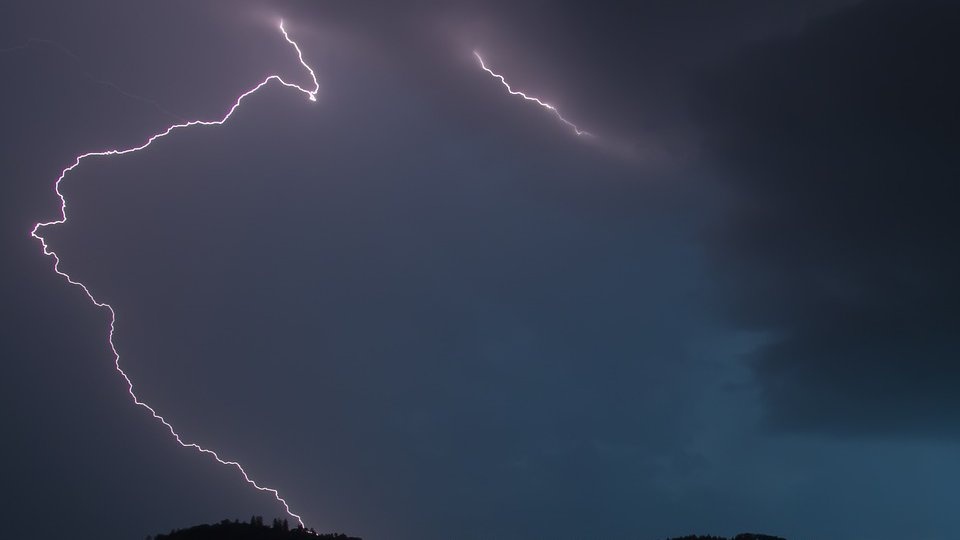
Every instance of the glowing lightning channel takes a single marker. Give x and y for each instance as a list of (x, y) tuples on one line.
[(536, 100), (312, 95)]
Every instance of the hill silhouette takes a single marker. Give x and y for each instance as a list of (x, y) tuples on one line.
[(742, 536), (280, 529), (254, 529)]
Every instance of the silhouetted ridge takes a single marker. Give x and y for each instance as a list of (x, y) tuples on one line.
[(280, 530), (742, 536), (252, 530)]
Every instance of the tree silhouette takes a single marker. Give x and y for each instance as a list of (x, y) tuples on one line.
[(279, 529)]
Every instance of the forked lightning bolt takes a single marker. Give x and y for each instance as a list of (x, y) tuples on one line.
[(536, 100), (312, 95)]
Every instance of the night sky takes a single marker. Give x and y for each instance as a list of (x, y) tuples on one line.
[(424, 309)]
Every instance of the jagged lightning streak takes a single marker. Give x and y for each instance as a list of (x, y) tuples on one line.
[(536, 100), (312, 95)]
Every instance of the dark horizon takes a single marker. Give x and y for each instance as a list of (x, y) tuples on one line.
[(421, 307)]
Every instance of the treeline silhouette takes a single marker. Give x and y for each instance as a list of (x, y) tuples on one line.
[(280, 529), (254, 529), (742, 536)]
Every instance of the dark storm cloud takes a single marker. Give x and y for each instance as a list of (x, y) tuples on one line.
[(841, 145), (420, 307), (618, 68)]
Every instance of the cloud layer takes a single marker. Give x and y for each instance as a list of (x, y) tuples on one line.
[(840, 240)]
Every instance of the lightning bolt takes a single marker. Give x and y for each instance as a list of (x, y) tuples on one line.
[(312, 96), (534, 99)]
